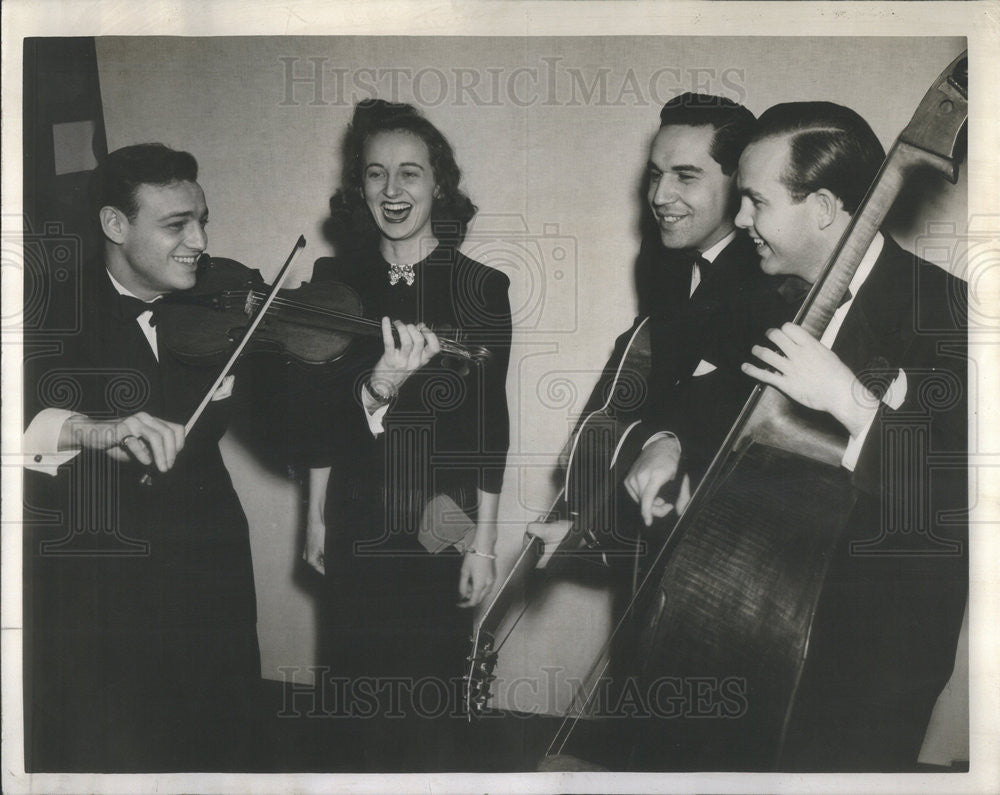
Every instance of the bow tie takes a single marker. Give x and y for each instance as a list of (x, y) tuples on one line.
[(683, 259), (130, 308), (397, 272)]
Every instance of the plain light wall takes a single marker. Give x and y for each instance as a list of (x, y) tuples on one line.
[(552, 137)]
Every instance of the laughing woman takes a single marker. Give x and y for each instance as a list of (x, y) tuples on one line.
[(405, 479)]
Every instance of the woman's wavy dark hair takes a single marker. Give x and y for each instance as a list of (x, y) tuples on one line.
[(351, 225)]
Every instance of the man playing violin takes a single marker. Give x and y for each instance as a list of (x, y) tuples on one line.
[(891, 370), (141, 640), (141, 643)]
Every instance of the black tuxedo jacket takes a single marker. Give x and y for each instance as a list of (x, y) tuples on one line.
[(733, 305), (139, 600), (884, 638)]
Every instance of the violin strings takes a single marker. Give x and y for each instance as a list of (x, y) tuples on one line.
[(446, 345)]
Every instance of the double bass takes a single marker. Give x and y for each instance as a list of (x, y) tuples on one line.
[(736, 585)]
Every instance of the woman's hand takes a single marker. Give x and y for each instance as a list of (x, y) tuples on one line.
[(479, 571), (476, 579), (417, 346), (315, 545)]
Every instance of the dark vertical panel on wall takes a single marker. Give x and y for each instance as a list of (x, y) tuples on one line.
[(63, 119), (63, 140)]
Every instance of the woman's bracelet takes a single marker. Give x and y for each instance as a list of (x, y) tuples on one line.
[(474, 551)]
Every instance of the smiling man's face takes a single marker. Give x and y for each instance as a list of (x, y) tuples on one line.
[(689, 195), (160, 246)]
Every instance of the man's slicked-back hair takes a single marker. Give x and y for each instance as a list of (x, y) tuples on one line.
[(830, 147), (118, 177), (733, 124)]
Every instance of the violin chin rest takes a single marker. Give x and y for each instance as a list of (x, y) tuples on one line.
[(565, 763)]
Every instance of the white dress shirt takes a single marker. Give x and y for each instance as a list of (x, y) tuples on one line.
[(896, 392)]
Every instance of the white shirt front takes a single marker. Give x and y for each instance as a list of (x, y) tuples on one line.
[(896, 392)]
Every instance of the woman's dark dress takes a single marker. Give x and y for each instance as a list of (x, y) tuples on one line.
[(393, 627)]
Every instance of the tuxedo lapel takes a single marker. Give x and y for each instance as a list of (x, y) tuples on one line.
[(118, 350), (692, 337), (723, 275), (879, 322)]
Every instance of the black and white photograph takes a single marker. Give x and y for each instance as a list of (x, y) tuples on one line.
[(500, 397)]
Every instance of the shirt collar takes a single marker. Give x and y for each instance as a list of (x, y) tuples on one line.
[(713, 251), (122, 290)]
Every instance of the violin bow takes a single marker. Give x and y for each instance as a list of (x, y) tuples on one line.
[(147, 479), (257, 320)]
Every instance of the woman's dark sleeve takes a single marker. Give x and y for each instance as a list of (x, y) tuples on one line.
[(326, 420), (494, 332)]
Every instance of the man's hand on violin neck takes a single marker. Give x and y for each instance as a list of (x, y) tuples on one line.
[(417, 345), (141, 436)]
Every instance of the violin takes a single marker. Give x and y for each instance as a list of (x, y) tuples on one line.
[(313, 323)]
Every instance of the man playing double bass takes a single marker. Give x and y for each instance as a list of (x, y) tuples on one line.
[(891, 369), (889, 373)]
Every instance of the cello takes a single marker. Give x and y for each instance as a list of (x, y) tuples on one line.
[(740, 575)]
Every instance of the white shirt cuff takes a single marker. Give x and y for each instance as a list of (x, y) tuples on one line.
[(374, 412), (40, 442), (893, 398), (657, 436)]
